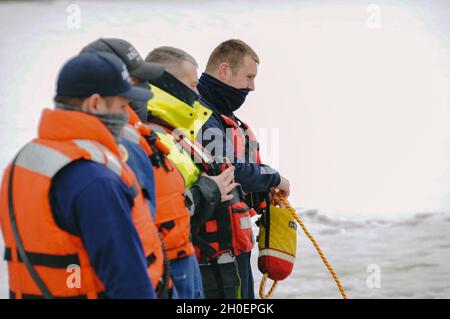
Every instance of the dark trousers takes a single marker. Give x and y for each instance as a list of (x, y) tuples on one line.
[(246, 275), (220, 281)]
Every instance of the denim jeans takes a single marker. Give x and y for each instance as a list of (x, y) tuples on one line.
[(187, 278)]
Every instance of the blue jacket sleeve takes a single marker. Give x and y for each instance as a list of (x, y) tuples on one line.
[(140, 163), (253, 177), (90, 201)]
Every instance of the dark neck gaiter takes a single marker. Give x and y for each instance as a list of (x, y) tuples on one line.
[(224, 97), (176, 88), (140, 107)]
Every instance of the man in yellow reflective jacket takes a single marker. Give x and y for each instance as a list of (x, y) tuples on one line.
[(175, 107)]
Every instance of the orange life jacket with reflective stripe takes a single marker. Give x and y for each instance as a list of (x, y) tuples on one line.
[(65, 136), (246, 147), (244, 140), (229, 228), (172, 216)]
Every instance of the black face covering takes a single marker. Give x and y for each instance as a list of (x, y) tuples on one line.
[(140, 107), (173, 86), (223, 96)]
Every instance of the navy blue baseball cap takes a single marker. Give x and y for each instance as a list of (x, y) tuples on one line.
[(102, 73)]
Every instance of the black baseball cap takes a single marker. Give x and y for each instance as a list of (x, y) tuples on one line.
[(102, 73), (129, 55)]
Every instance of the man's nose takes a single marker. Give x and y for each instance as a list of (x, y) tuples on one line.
[(251, 85)]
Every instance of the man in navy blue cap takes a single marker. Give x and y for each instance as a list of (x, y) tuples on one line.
[(98, 84), (136, 158), (140, 70), (75, 199)]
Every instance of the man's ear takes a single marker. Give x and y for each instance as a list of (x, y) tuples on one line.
[(91, 104), (223, 71)]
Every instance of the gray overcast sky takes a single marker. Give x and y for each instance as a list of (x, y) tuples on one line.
[(361, 113)]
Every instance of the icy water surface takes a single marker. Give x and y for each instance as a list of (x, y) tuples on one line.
[(413, 256)]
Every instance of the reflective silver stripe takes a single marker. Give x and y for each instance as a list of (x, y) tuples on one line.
[(278, 254), (157, 128), (42, 159), (98, 155), (92, 149), (246, 222), (130, 134), (190, 200), (112, 162), (48, 161), (253, 148), (225, 258), (205, 157)]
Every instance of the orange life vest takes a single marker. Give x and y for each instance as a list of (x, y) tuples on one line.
[(244, 140), (172, 216), (64, 137), (246, 147)]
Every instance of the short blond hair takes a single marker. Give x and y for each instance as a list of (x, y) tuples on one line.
[(232, 52)]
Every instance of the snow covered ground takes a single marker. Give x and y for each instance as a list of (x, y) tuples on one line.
[(360, 107)]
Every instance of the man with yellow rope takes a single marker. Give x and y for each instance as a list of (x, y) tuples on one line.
[(178, 117), (229, 76)]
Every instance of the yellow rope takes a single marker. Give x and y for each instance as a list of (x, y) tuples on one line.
[(311, 238), (262, 287)]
